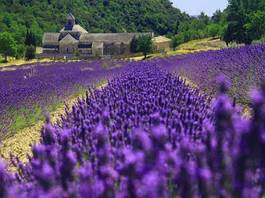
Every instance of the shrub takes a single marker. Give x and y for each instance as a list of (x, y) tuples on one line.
[(30, 52)]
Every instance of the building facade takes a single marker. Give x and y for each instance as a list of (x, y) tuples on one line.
[(162, 44), (74, 39)]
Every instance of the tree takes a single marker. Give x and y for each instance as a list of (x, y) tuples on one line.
[(20, 51), (236, 19), (203, 18), (133, 45), (217, 16), (106, 2), (244, 21), (8, 45), (213, 30), (144, 44), (30, 39), (256, 25), (177, 40), (30, 52)]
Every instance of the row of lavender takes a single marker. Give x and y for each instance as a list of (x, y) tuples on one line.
[(46, 83), (244, 67), (147, 134)]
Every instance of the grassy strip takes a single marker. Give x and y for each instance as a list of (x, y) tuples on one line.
[(189, 47), (19, 62)]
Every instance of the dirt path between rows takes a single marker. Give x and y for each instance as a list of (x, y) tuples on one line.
[(20, 144)]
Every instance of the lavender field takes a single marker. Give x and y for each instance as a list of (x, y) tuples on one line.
[(148, 133), (244, 67), (36, 87)]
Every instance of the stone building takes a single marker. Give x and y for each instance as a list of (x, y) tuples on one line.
[(74, 39), (162, 44)]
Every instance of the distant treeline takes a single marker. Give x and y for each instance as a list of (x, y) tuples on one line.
[(243, 21), (158, 16)]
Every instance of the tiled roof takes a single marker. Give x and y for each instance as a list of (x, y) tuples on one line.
[(75, 28), (109, 37), (68, 39), (50, 38)]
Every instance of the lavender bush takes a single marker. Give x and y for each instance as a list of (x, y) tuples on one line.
[(147, 134)]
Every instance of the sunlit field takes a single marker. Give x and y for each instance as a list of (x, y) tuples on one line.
[(132, 99)]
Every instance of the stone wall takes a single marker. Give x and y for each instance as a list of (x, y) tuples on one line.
[(116, 49), (68, 48)]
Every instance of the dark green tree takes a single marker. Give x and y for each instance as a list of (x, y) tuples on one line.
[(236, 19), (177, 40), (144, 45), (217, 16), (30, 39), (213, 30), (8, 45), (203, 18), (30, 52), (241, 19), (256, 25), (20, 51), (133, 45)]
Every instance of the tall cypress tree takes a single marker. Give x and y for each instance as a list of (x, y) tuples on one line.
[(133, 45), (30, 42), (30, 39)]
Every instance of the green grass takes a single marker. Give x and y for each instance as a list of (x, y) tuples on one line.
[(22, 118), (25, 117), (205, 44), (202, 45)]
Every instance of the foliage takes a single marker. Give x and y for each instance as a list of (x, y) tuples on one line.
[(133, 45), (178, 39), (256, 25), (30, 52), (30, 39), (8, 45), (245, 21), (199, 27), (236, 18), (242, 21), (38, 16), (142, 44), (214, 30), (217, 17), (20, 51), (260, 41)]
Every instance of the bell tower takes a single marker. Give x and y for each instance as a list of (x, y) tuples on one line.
[(70, 22)]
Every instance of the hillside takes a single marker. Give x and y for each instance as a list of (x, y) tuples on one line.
[(159, 16)]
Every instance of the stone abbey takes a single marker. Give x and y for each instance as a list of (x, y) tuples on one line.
[(74, 39)]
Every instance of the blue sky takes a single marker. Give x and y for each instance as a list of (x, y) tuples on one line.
[(195, 7)]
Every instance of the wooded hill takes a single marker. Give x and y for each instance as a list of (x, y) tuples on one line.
[(159, 16)]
